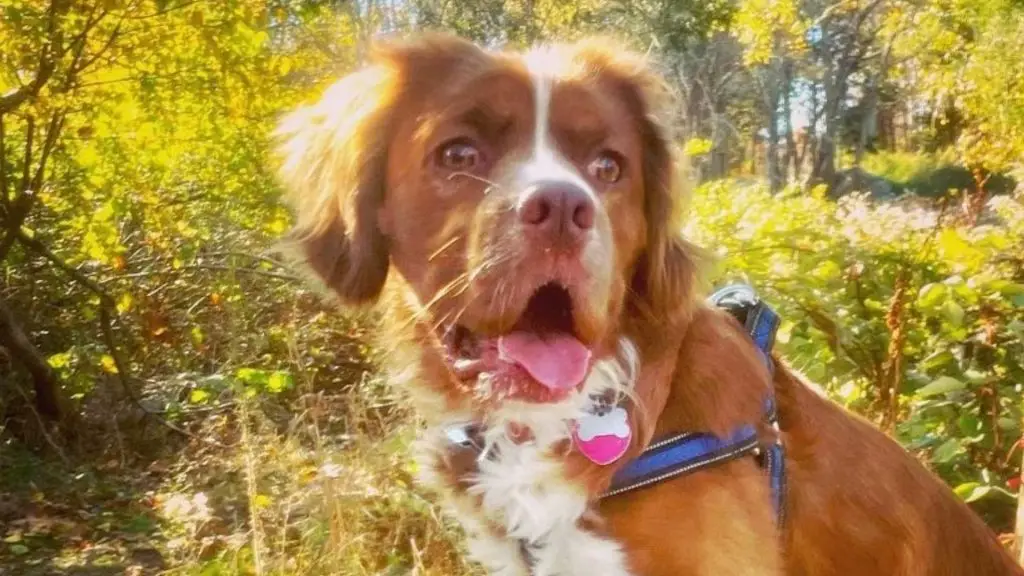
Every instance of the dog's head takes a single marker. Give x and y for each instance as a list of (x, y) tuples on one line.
[(523, 202)]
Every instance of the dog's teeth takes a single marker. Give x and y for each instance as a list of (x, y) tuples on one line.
[(466, 368)]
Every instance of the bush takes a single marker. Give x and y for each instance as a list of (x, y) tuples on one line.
[(901, 313), (931, 175)]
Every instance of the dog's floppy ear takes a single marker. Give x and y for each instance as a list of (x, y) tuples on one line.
[(333, 159), (666, 273)]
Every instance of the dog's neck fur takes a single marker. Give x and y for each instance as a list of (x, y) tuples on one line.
[(525, 504)]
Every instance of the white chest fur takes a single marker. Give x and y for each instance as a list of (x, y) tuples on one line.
[(522, 489), (520, 513)]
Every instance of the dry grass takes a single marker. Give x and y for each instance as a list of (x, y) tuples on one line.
[(326, 491)]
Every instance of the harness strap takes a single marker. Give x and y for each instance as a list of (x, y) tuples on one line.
[(773, 460), (682, 454), (689, 452)]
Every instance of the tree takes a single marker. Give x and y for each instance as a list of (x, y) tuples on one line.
[(773, 34), (110, 109)]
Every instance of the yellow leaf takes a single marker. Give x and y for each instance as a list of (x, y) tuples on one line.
[(697, 146), (58, 361), (124, 303), (261, 501), (108, 364)]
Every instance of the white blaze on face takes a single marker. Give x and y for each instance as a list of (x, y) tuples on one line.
[(546, 164), (612, 423)]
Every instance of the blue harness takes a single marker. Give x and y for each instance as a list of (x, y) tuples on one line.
[(689, 452)]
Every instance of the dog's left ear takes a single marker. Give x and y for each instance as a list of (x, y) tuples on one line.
[(667, 272)]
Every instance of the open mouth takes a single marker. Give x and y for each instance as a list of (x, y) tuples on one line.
[(541, 359)]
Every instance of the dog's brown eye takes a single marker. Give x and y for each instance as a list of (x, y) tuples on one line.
[(605, 168), (459, 155)]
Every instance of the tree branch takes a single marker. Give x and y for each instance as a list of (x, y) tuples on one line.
[(30, 183), (47, 60), (48, 401), (4, 196), (107, 304), (106, 45), (26, 166), (52, 134)]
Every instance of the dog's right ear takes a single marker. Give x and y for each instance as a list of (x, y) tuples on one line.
[(333, 160)]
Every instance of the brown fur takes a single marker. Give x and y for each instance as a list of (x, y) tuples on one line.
[(366, 204)]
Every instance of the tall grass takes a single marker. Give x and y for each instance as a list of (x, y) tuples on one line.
[(327, 491)]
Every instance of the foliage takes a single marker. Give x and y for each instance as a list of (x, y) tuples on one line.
[(965, 52), (933, 175), (903, 167), (902, 313), (768, 28)]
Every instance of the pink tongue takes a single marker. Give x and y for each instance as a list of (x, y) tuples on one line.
[(558, 362)]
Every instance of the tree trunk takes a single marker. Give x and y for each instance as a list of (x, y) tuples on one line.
[(811, 143), (772, 157), (787, 110), (753, 153), (1019, 533), (720, 140), (771, 85), (868, 120), (49, 400), (824, 169)]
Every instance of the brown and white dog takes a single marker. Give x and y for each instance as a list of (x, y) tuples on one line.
[(516, 214)]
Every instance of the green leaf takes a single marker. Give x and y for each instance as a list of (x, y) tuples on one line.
[(978, 378), (978, 493), (1017, 327), (941, 385), (965, 489), (1012, 289), (946, 451), (19, 549), (1005, 423), (937, 360), (974, 491), (931, 295), (953, 312), (969, 424), (198, 396)]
